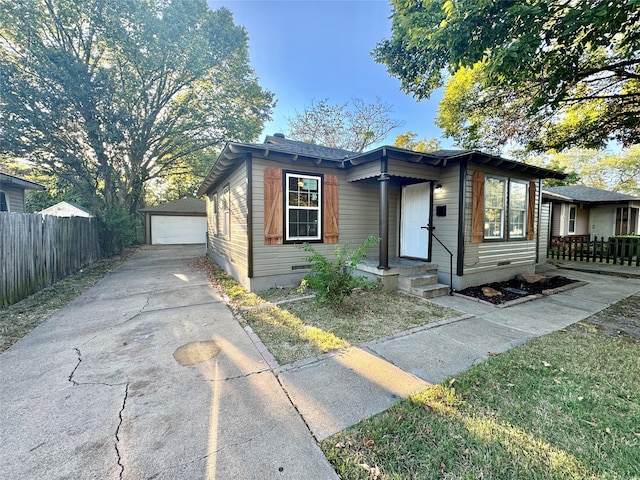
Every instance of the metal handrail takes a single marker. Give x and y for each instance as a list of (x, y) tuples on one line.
[(431, 229)]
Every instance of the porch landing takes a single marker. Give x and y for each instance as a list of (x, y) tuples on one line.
[(414, 277)]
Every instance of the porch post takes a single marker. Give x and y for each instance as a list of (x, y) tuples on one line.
[(383, 252)]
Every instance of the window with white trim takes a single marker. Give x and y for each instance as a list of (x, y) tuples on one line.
[(506, 208), (224, 211), (517, 209), (573, 211), (303, 207), (494, 206)]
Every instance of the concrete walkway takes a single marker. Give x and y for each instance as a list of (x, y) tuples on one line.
[(337, 390), (148, 375)]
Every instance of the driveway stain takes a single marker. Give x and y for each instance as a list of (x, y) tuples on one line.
[(196, 352)]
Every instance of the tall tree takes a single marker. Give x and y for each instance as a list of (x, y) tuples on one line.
[(547, 61), (110, 95), (619, 172), (410, 141), (339, 126)]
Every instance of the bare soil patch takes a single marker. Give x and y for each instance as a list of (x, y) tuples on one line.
[(502, 292), (619, 320)]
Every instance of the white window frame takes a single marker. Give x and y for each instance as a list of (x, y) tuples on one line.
[(225, 211), (572, 231), (501, 209), (289, 208), (523, 210)]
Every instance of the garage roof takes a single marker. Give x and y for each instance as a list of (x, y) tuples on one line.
[(184, 206)]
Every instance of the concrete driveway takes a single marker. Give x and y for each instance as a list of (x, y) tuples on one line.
[(148, 375)]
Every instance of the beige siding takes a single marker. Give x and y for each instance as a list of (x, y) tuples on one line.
[(231, 249), (495, 261), (15, 198), (446, 228), (545, 213), (358, 218)]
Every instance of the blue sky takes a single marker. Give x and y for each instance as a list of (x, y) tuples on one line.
[(306, 50)]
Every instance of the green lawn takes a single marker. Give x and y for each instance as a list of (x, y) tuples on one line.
[(564, 406)]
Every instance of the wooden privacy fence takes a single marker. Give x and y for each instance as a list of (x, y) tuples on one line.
[(581, 248), (37, 250)]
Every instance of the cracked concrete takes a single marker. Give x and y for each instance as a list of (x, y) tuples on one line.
[(97, 393), (117, 443)]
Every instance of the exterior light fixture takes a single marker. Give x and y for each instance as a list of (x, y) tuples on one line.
[(438, 188)]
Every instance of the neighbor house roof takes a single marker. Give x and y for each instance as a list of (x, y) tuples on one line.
[(6, 178), (185, 206), (66, 209), (582, 194), (278, 148)]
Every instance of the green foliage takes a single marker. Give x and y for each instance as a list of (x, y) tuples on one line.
[(553, 74), (333, 280), (111, 95), (409, 141), (618, 172), (338, 126), (117, 231)]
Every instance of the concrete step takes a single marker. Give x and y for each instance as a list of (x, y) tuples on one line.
[(407, 282), (430, 291)]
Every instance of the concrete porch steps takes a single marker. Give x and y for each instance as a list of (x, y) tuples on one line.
[(423, 285)]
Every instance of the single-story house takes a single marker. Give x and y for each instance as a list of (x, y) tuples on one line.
[(182, 221), (66, 209), (12, 192), (580, 210), (265, 199)]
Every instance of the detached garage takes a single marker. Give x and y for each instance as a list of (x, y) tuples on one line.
[(178, 222)]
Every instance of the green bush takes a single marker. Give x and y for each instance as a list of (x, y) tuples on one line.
[(117, 231), (332, 280)]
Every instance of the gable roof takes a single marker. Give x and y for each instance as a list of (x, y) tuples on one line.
[(582, 194), (186, 205), (6, 178), (66, 209), (281, 149)]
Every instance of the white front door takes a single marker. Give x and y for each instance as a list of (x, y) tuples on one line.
[(416, 210)]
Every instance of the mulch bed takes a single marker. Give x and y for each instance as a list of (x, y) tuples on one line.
[(505, 290)]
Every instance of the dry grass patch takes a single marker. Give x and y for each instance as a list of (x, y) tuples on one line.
[(20, 318), (302, 328), (293, 327)]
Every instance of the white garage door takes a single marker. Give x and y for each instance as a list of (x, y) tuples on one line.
[(166, 229)]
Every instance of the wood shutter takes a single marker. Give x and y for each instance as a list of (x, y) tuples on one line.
[(331, 209), (477, 213), (273, 219), (531, 211)]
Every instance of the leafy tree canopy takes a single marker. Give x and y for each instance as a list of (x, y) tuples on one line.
[(410, 141), (108, 96), (339, 126), (545, 73), (619, 172)]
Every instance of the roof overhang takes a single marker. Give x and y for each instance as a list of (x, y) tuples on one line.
[(232, 153), (6, 179)]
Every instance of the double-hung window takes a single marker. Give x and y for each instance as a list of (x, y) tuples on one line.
[(517, 209), (506, 205), (303, 204), (494, 207), (573, 210)]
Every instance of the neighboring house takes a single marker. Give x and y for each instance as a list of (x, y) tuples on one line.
[(12, 192), (182, 221), (580, 210), (263, 200), (66, 209)]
